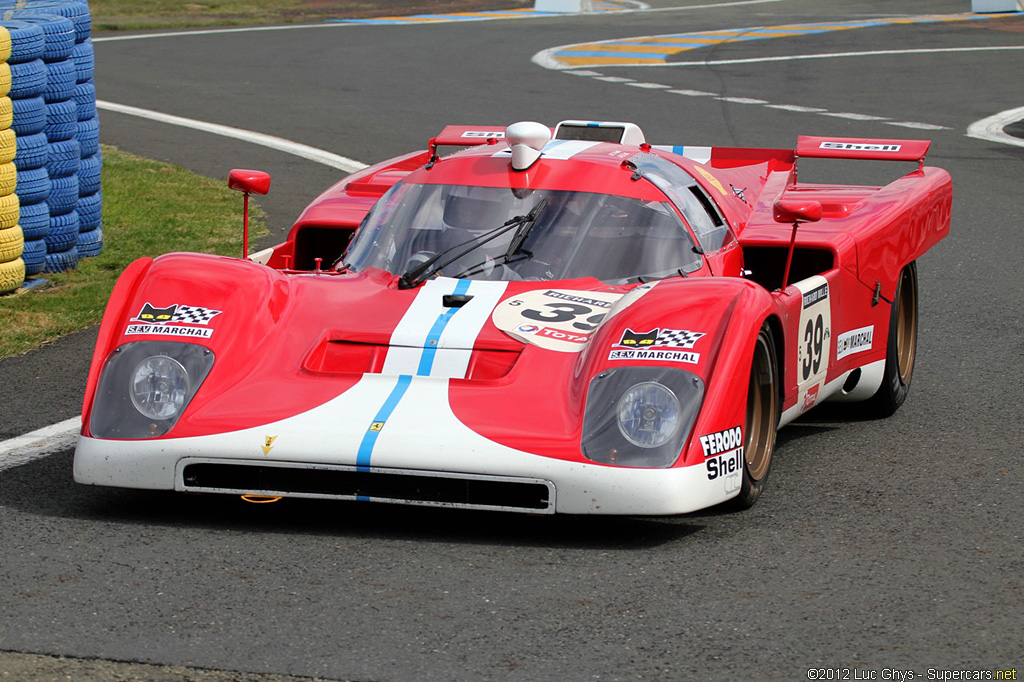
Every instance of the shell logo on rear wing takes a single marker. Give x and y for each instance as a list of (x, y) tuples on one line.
[(859, 148)]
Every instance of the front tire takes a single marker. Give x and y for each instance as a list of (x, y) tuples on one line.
[(901, 348), (762, 423)]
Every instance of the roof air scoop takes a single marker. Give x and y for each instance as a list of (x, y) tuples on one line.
[(526, 139)]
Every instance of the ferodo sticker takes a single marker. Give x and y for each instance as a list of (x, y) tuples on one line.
[(716, 443), (555, 319), (723, 457), (173, 320)]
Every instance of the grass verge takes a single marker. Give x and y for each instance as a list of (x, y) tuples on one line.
[(124, 15), (149, 208)]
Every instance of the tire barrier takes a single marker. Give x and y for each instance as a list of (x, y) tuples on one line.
[(49, 135), (12, 238)]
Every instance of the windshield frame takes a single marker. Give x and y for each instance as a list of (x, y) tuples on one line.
[(575, 217)]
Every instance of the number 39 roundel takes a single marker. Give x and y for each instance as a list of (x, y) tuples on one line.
[(814, 339), (556, 319)]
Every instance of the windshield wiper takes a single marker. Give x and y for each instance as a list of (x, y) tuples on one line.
[(425, 270), (529, 220)]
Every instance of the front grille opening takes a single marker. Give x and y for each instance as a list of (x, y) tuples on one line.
[(408, 488)]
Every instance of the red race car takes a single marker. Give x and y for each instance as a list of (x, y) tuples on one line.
[(571, 321)]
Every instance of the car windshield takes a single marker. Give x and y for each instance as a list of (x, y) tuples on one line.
[(613, 238)]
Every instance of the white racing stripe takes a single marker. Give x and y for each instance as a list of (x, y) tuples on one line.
[(431, 340)]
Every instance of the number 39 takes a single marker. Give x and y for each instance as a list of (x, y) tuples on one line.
[(814, 337)]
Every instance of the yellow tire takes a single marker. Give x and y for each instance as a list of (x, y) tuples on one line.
[(8, 179), (10, 211), (8, 145), (5, 79), (6, 113), (12, 275), (12, 244), (5, 44)]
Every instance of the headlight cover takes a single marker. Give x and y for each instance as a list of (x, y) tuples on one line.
[(640, 416), (159, 387), (145, 386)]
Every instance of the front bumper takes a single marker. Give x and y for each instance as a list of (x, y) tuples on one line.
[(422, 447)]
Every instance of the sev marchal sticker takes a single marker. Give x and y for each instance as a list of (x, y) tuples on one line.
[(173, 320), (555, 319), (854, 341), (672, 345)]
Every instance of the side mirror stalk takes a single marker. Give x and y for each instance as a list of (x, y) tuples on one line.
[(248, 182), (796, 212)]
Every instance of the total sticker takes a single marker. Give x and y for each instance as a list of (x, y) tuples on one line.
[(555, 319)]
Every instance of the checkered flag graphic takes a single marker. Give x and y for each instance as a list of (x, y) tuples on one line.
[(678, 338), (194, 315)]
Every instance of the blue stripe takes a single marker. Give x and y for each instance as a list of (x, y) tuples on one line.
[(434, 335), (370, 437), (554, 144), (365, 452)]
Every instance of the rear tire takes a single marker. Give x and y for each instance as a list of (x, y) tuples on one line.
[(763, 411), (901, 348)]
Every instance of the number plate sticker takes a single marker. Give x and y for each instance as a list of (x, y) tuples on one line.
[(555, 319), (814, 338)]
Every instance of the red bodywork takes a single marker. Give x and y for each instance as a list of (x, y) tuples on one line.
[(291, 337)]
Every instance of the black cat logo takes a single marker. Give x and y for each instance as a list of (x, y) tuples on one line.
[(633, 340), (157, 315)]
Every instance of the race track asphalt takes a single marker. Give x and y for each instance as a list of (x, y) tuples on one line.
[(890, 545)]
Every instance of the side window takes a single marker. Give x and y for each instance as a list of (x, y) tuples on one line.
[(695, 205), (716, 232)]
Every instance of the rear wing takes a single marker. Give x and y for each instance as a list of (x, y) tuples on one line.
[(808, 147), (464, 136), (858, 148)]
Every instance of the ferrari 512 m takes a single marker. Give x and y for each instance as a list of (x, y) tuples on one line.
[(539, 321)]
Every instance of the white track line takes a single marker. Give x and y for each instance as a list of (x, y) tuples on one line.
[(279, 143), (799, 57), (988, 129), (215, 31), (991, 128), (47, 440)]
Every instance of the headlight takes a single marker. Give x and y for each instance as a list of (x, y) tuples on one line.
[(648, 414), (159, 387), (145, 386), (640, 416)]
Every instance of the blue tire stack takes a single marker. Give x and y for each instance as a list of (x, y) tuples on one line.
[(58, 158), (90, 237), (63, 154), (28, 81)]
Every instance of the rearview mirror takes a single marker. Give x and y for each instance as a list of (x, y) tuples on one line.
[(249, 181), (796, 211)]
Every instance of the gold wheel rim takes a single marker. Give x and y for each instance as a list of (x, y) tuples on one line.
[(762, 410), (906, 327)]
